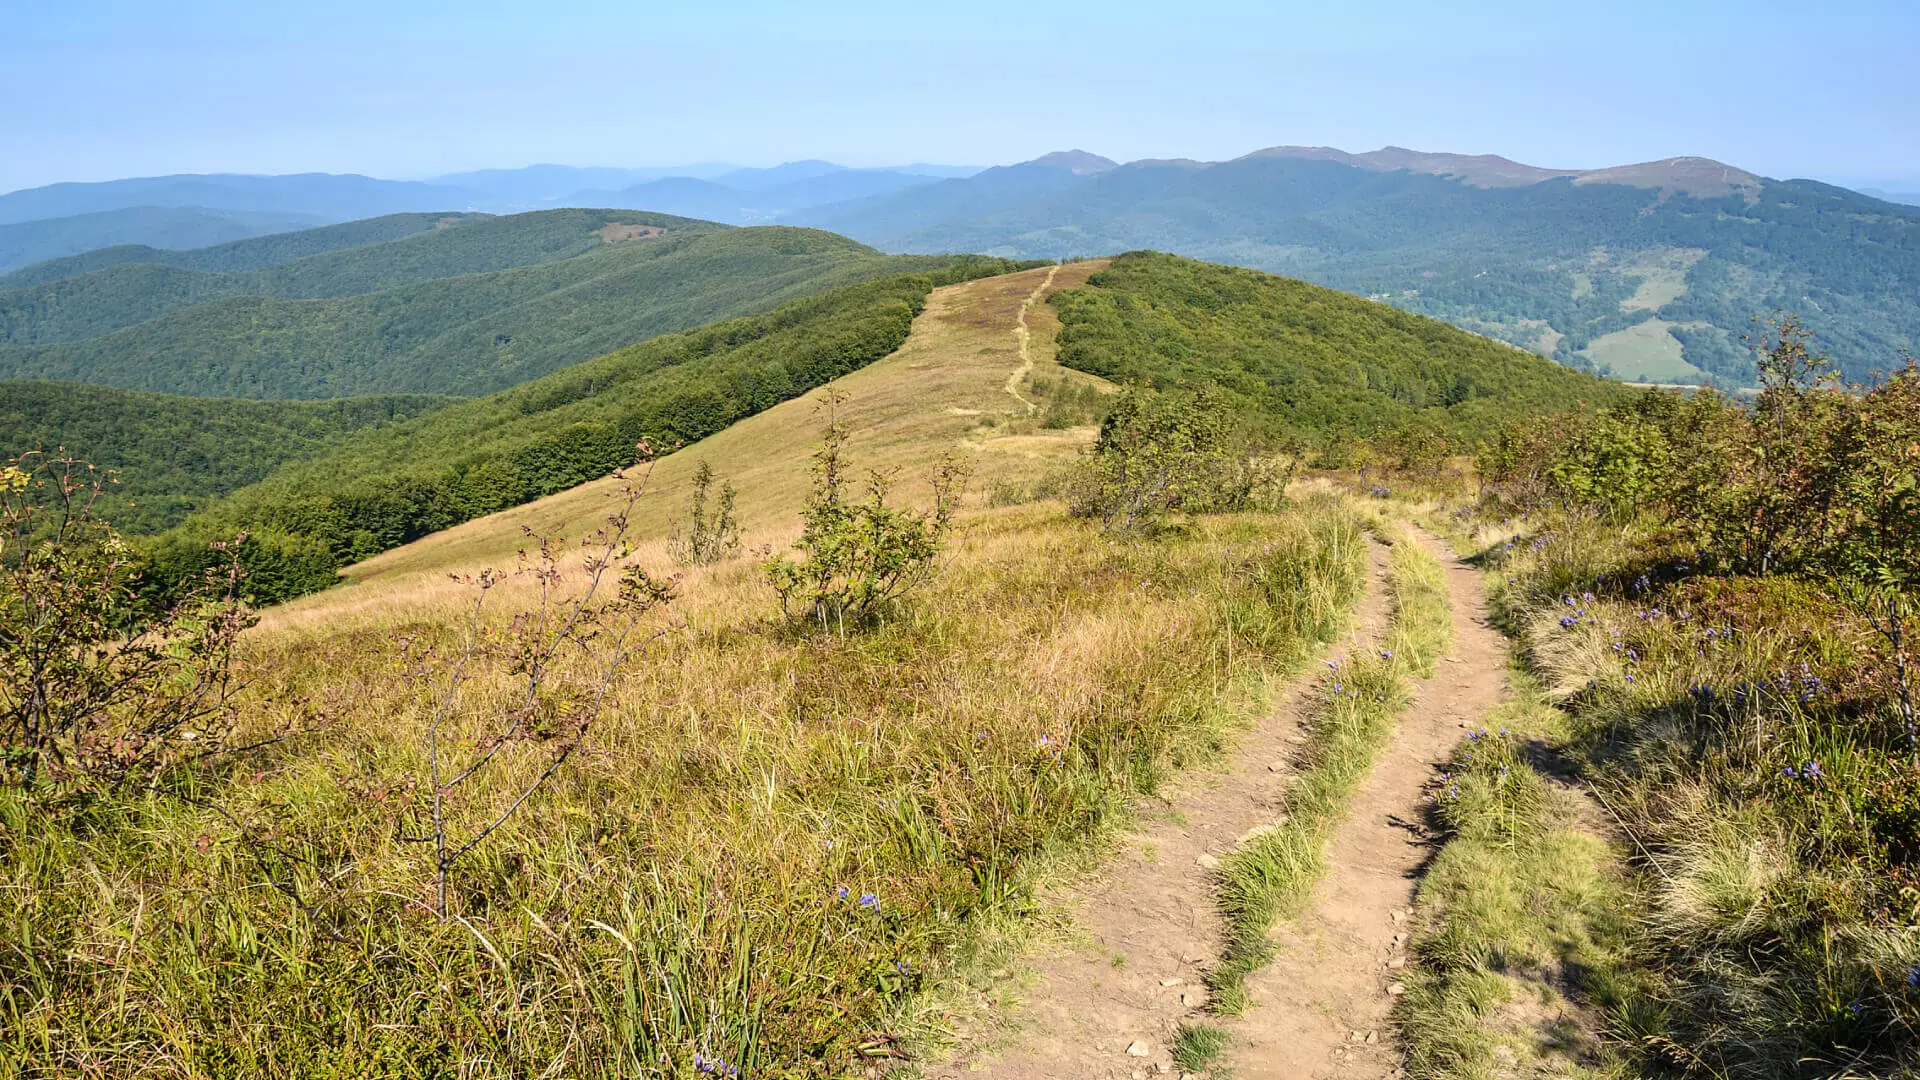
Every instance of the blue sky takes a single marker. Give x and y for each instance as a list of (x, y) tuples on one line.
[(93, 90)]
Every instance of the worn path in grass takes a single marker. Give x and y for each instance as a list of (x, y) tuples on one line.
[(1321, 1008), (1024, 335), (1145, 931)]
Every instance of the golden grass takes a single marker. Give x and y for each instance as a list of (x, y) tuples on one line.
[(690, 883), (943, 391)]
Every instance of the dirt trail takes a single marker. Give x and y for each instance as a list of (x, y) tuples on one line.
[(1025, 336), (1321, 1008), (1148, 927)]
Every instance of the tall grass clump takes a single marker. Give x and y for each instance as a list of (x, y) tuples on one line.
[(1522, 920), (769, 848), (1719, 599), (1360, 698)]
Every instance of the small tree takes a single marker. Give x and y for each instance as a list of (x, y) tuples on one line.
[(1158, 453), (712, 532), (563, 655), (96, 692), (860, 555)]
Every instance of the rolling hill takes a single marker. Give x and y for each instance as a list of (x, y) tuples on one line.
[(1292, 358), (172, 455), (235, 256), (30, 242), (461, 310), (1654, 271), (384, 487)]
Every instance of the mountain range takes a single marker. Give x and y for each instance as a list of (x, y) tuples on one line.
[(1655, 272), (1659, 271), (188, 211)]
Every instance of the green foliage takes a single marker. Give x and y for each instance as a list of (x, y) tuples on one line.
[(469, 309), (96, 693), (712, 532), (385, 486), (1737, 648), (1160, 453), (860, 556), (173, 455), (1293, 360), (1525, 263), (1196, 1047)]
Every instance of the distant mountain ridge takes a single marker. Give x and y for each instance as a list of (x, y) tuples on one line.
[(1655, 271), (324, 198), (28, 242)]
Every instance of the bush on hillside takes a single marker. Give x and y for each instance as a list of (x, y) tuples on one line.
[(860, 556), (1164, 453), (96, 692), (712, 532)]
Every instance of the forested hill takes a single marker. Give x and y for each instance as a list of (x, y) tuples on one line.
[(237, 256), (27, 243), (385, 486), (172, 455), (332, 262), (1299, 361), (1652, 272), (431, 313)]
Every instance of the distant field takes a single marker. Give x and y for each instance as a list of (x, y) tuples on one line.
[(1644, 351)]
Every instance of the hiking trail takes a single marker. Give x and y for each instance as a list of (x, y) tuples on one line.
[(1146, 930), (1025, 336)]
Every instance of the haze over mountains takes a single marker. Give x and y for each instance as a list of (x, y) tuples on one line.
[(1654, 271)]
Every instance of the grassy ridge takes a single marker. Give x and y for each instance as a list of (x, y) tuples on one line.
[(1272, 876), (1300, 361), (1042, 680), (382, 488)]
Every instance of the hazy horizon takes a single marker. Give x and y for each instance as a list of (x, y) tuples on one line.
[(104, 89)]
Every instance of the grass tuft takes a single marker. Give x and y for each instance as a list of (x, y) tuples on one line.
[(1196, 1047)]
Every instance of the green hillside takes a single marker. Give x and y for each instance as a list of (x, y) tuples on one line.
[(172, 455), (237, 256), (470, 334), (1654, 271), (383, 487), (337, 261), (1297, 360), (26, 243)]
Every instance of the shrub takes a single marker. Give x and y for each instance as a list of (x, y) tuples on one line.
[(713, 533), (1160, 453), (860, 555), (95, 692)]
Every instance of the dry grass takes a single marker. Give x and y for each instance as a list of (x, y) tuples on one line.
[(692, 882), (943, 391)]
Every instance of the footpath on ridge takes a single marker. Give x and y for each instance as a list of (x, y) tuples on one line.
[(1145, 932)]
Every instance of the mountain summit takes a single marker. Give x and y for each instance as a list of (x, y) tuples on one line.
[(1702, 177), (1077, 162)]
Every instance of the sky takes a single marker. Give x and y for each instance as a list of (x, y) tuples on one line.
[(99, 89)]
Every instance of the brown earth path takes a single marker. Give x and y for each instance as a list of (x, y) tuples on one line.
[(1146, 929), (1023, 334), (1321, 1008)]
